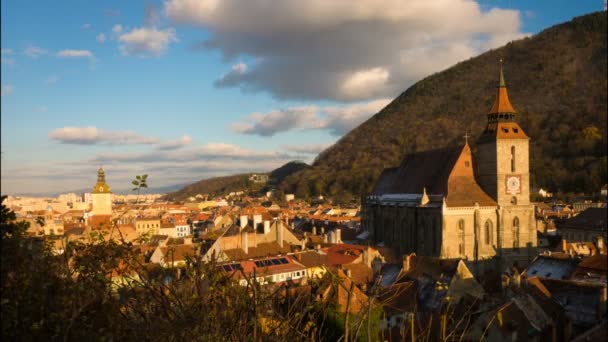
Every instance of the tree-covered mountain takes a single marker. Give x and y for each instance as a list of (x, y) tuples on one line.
[(557, 83)]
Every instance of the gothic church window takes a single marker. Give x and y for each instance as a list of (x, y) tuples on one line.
[(488, 232), (461, 237), (512, 158), (516, 233)]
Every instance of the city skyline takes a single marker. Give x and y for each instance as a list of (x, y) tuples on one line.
[(185, 92)]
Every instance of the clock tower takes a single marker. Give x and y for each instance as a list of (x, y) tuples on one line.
[(503, 153), (102, 196), (503, 171)]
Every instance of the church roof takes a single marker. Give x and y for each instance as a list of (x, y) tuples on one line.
[(447, 172), (428, 169)]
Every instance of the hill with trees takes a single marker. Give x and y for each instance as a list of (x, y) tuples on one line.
[(557, 84), (218, 186)]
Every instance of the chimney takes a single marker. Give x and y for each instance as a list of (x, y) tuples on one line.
[(322, 230), (244, 242), (338, 235), (243, 221), (280, 233), (314, 230), (324, 238), (266, 226), (407, 262), (257, 219), (187, 241), (303, 247), (293, 225)]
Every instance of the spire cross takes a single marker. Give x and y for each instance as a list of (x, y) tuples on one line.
[(466, 137)]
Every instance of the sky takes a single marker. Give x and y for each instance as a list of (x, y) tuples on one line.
[(183, 90)]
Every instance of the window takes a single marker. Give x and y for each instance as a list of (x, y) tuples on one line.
[(514, 200), (488, 232), (516, 233), (512, 158), (461, 237), (466, 164)]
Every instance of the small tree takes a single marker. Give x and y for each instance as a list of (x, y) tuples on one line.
[(139, 182)]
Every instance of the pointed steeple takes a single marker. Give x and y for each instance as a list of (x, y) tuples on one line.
[(502, 103), (425, 198)]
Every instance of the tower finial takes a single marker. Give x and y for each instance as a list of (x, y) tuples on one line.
[(466, 137), (502, 77)]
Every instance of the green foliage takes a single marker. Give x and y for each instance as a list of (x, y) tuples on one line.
[(140, 182), (557, 83)]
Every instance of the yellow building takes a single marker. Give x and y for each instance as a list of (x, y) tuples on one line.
[(101, 196)]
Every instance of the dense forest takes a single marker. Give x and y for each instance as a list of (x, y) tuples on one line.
[(556, 81)]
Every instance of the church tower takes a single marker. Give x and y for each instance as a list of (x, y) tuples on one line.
[(503, 153), (101, 196), (503, 171)]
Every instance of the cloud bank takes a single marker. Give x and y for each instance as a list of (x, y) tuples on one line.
[(338, 120), (347, 50)]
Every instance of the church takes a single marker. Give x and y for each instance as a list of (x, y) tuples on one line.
[(449, 203)]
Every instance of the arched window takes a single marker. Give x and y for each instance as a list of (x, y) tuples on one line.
[(488, 232), (512, 158), (516, 233), (461, 237)]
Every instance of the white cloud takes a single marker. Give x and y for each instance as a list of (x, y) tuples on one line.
[(117, 28), (92, 135), (86, 26), (347, 50), (7, 61), (335, 119), (51, 79), (6, 89), (34, 51), (363, 82), (7, 51), (101, 38), (42, 109), (75, 53), (146, 41), (175, 144)]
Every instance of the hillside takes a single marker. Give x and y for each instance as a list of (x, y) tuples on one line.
[(224, 185), (212, 186), (278, 175), (556, 81)]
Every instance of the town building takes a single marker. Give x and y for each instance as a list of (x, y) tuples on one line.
[(449, 203), (101, 196)]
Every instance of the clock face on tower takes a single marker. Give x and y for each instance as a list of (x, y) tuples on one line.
[(513, 185)]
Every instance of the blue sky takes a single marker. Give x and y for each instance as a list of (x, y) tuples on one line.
[(184, 89)]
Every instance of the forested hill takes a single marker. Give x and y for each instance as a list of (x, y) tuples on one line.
[(557, 84), (218, 186), (212, 186)]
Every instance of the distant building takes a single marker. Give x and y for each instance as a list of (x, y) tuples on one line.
[(262, 178), (435, 204)]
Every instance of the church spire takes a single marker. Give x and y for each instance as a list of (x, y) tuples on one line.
[(502, 105)]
